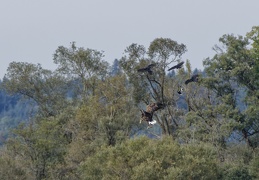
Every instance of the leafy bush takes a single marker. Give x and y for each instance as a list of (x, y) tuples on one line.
[(144, 158)]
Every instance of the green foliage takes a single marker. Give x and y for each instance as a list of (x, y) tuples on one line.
[(237, 162), (39, 148), (110, 113), (143, 158), (164, 48), (44, 87), (254, 167), (155, 87), (96, 134), (9, 169), (83, 64), (237, 173), (232, 70)]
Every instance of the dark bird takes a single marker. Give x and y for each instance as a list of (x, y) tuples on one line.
[(194, 78), (177, 66), (151, 108), (180, 90), (146, 116), (147, 69)]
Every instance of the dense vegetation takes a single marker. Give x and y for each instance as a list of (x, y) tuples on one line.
[(81, 121)]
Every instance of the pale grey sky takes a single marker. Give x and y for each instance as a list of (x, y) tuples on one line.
[(31, 30)]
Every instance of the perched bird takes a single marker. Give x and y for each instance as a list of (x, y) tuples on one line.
[(180, 90), (147, 68), (194, 78), (178, 66)]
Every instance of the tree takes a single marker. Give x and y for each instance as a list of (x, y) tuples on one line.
[(156, 87), (45, 88), (83, 64), (10, 169), (115, 68), (108, 118), (231, 73), (144, 158), (39, 148)]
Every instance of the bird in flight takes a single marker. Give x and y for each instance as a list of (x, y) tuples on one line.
[(177, 66), (151, 108), (194, 78), (147, 69), (180, 90), (148, 114), (148, 117)]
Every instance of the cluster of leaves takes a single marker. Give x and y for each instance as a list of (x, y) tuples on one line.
[(143, 158), (87, 115)]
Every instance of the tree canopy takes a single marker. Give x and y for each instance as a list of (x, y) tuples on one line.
[(84, 117)]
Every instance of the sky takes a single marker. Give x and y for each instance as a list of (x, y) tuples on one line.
[(31, 30)]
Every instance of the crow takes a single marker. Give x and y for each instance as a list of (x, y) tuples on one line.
[(147, 68), (194, 78), (178, 66)]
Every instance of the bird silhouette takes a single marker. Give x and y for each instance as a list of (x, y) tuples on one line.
[(151, 108), (148, 114), (180, 90), (147, 69), (148, 117), (194, 78), (177, 66)]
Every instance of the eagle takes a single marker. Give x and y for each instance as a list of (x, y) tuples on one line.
[(177, 66), (194, 78), (148, 114), (147, 69), (148, 117)]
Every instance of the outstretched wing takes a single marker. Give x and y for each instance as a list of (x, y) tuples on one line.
[(151, 65), (194, 78), (150, 72), (178, 66), (188, 81), (154, 107), (142, 69), (147, 69)]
